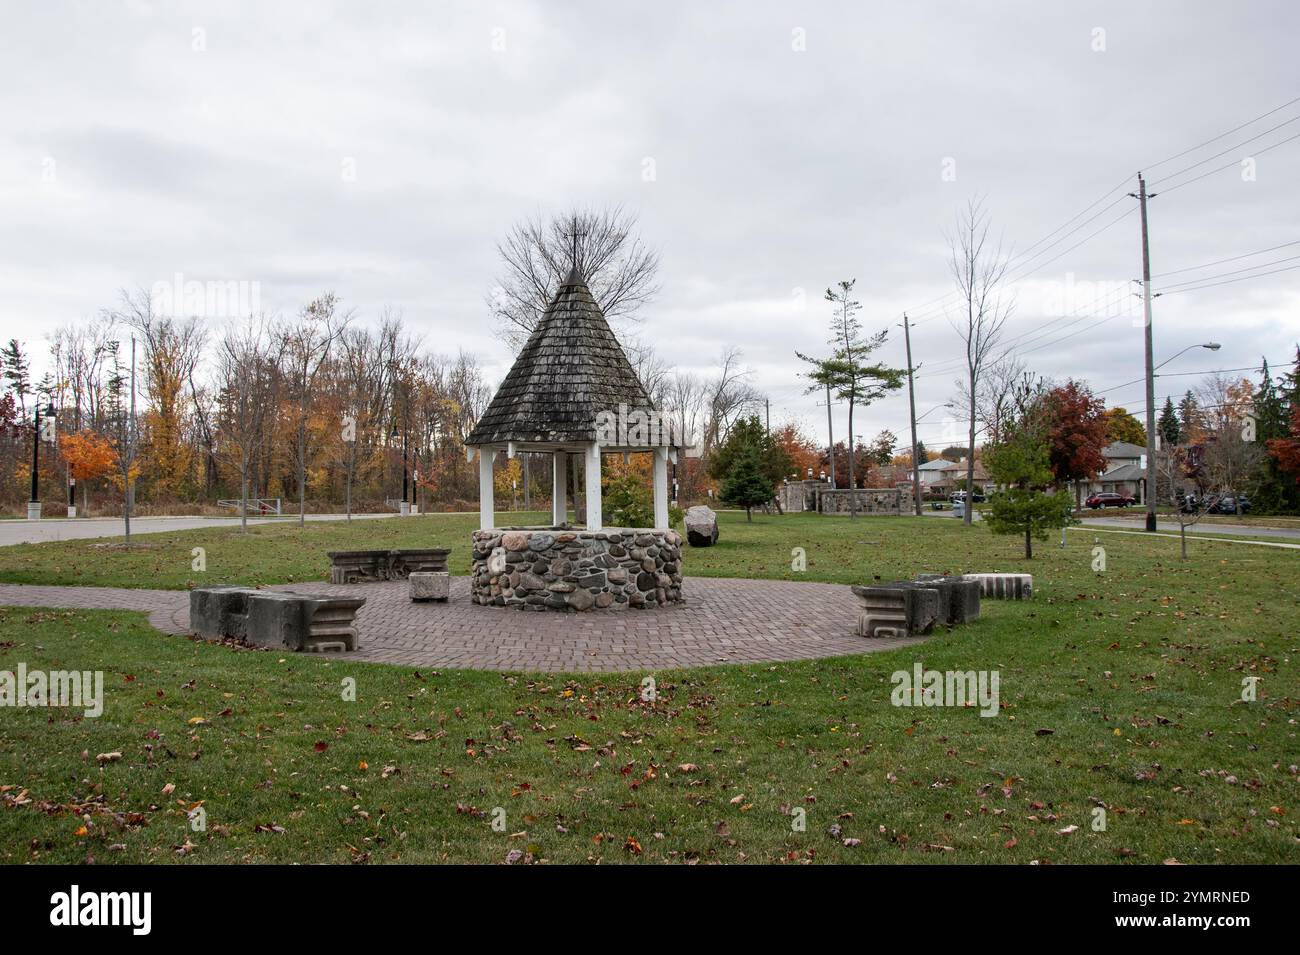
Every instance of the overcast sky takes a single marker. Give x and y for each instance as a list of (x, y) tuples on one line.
[(769, 149)]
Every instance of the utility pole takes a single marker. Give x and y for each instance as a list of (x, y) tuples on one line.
[(1149, 492), (911, 401), (767, 410), (130, 443)]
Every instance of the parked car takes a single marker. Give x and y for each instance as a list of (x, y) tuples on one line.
[(1231, 504), (1109, 499), (959, 497)]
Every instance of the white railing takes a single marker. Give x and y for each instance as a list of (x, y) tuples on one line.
[(256, 505)]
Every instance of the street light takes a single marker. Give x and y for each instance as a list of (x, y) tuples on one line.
[(34, 505), (1212, 346), (1149, 490)]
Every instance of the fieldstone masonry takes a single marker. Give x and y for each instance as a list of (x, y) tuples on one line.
[(818, 496), (566, 569)]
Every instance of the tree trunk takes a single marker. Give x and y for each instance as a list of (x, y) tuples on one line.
[(969, 515), (1029, 538), (853, 495), (243, 497), (1182, 533), (302, 471), (748, 516), (830, 438)]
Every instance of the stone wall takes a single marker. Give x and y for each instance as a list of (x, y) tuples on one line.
[(888, 500), (797, 496), (564, 569)]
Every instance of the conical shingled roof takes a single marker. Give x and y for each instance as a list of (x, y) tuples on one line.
[(571, 369)]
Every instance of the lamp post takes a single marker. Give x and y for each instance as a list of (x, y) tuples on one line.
[(1149, 491), (34, 505)]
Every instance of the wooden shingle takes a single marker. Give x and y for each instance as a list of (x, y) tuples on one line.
[(571, 369)]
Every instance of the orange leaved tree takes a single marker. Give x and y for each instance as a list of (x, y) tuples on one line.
[(89, 456)]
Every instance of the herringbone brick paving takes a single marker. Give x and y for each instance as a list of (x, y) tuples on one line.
[(726, 620)]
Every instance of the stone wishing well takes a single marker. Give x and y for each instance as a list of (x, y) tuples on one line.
[(573, 394)]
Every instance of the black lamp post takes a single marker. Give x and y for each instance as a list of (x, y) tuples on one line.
[(34, 505)]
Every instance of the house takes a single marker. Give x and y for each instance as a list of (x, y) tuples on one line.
[(941, 476), (1123, 473)]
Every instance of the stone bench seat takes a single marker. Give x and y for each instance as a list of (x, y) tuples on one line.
[(364, 566), (907, 608), (275, 619)]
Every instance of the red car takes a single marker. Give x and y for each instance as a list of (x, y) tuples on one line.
[(1109, 499)]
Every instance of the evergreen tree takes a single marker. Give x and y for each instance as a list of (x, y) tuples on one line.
[(17, 372), (1170, 431), (746, 484), (1190, 420), (749, 433), (1021, 464)]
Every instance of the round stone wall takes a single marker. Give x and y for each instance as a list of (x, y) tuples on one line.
[(565, 569)]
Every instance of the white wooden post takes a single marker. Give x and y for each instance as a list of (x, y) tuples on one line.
[(592, 470), (661, 488), (486, 518), (559, 487)]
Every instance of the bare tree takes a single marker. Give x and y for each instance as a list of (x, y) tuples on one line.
[(1180, 483), (727, 397), (651, 369), (979, 271), (306, 347), (536, 255), (247, 376)]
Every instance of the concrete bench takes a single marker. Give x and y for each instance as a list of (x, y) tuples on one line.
[(363, 566), (897, 610), (357, 566), (285, 621), (430, 560), (220, 611), (959, 598), (429, 586), (1004, 586)]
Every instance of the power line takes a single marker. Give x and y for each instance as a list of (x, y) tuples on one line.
[(1194, 288), (1235, 129), (1234, 258), (1230, 165), (925, 314), (1174, 175), (1248, 268)]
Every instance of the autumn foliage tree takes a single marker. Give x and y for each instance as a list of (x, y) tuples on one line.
[(1076, 434), (89, 457)]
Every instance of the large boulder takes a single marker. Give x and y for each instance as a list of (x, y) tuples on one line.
[(701, 526)]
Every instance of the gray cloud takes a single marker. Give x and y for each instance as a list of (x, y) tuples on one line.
[(777, 170)]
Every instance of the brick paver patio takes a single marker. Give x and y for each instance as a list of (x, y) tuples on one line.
[(726, 620)]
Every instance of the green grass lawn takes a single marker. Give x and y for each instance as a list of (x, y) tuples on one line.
[(1137, 673)]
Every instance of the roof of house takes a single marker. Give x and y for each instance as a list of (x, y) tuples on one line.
[(938, 464), (570, 370), (958, 478), (1125, 472), (1122, 449)]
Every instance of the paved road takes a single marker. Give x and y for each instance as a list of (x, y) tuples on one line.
[(57, 529), (1170, 525)]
